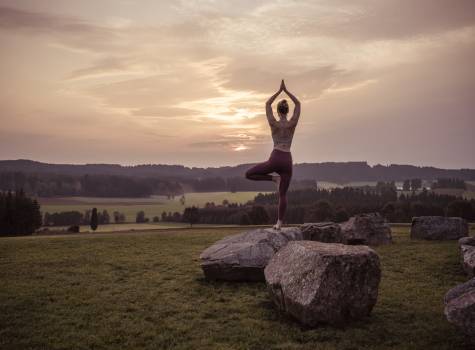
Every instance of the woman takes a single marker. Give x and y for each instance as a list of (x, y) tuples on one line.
[(280, 160)]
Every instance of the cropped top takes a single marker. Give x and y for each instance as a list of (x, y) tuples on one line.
[(283, 133)]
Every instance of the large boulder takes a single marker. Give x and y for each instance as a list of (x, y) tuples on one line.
[(460, 308), (328, 232), (367, 229), (438, 228), (243, 257), (467, 254), (324, 283)]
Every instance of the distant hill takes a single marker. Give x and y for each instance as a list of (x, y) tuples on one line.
[(339, 172)]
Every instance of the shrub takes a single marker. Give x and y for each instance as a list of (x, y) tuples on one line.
[(73, 229)]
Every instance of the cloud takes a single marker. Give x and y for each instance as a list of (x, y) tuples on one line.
[(72, 32), (193, 77), (102, 67), (368, 19)]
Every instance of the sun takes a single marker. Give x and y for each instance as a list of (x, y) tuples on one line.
[(240, 147)]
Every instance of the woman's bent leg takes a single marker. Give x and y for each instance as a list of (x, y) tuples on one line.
[(260, 172)]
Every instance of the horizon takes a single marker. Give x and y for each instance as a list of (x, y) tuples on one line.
[(234, 165), (185, 83)]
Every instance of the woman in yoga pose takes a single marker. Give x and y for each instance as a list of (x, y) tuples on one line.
[(280, 160)]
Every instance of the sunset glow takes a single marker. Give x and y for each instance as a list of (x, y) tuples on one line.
[(185, 82)]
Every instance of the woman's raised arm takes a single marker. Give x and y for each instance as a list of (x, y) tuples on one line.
[(269, 113), (296, 115)]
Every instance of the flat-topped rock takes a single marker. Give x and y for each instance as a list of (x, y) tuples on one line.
[(324, 283), (438, 228), (366, 229), (460, 308), (328, 232), (243, 257)]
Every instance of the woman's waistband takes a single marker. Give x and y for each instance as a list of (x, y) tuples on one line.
[(275, 150)]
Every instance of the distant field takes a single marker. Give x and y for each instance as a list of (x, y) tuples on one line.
[(151, 206), (131, 227), (467, 194), (145, 290), (329, 185)]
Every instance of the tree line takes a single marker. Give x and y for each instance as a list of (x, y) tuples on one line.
[(339, 172), (74, 217), (97, 185), (19, 214), (339, 203), (50, 185)]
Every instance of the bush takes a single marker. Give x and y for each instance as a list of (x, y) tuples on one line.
[(258, 215), (140, 217), (73, 229), (341, 215), (322, 211), (191, 215)]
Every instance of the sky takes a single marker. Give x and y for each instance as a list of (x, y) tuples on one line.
[(185, 82)]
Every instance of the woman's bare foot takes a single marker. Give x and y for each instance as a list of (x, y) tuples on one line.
[(278, 225)]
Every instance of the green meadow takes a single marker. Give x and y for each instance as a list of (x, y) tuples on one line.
[(145, 290), (152, 206)]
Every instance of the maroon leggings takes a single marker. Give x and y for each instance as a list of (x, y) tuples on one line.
[(279, 162)]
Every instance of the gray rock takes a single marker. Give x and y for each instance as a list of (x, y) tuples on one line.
[(367, 229), (459, 290), (438, 228), (467, 241), (244, 256), (460, 308), (467, 254), (327, 232), (324, 283)]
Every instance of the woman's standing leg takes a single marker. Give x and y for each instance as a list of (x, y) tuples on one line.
[(285, 172), (284, 186)]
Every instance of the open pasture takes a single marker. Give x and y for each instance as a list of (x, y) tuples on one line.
[(152, 206), (145, 290)]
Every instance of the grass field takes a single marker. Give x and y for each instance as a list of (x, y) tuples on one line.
[(146, 291), (152, 206)]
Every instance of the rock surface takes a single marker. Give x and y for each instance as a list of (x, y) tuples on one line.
[(244, 256), (367, 229), (467, 241), (438, 228), (328, 232), (467, 255), (460, 308), (327, 283)]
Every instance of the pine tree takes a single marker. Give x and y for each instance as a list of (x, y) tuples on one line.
[(94, 219), (191, 215)]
